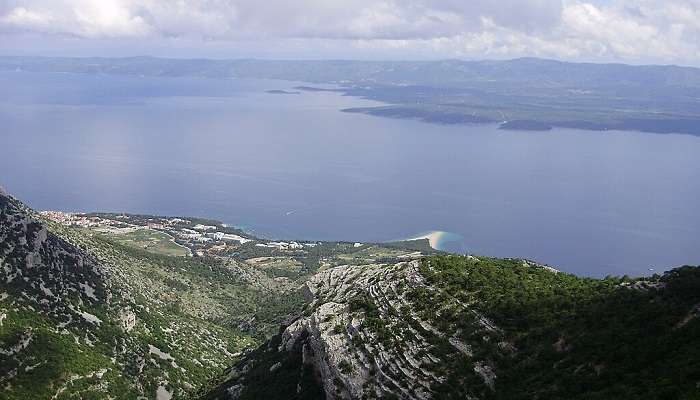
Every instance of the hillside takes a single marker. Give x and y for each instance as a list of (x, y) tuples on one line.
[(85, 317), (481, 328), (112, 306), (108, 306)]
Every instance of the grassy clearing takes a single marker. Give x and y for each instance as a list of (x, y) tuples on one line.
[(151, 241)]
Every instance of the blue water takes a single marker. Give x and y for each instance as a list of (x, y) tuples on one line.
[(293, 166)]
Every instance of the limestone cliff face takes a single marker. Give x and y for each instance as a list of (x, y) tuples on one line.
[(361, 339), (349, 357), (45, 272)]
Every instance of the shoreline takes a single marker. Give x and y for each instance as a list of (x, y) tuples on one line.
[(436, 239)]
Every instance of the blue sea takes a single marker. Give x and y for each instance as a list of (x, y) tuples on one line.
[(294, 166)]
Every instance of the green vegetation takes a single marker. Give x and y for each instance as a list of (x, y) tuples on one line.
[(493, 329), (101, 316), (52, 360), (215, 289), (575, 338), (273, 375), (150, 240), (117, 311)]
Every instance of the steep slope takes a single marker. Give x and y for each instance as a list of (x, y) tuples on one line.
[(84, 317), (52, 309), (102, 306), (481, 328)]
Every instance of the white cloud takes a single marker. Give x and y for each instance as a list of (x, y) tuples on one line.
[(20, 16), (84, 18), (352, 19), (610, 30), (617, 34)]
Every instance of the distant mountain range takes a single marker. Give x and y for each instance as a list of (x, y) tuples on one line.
[(521, 94), (108, 306)]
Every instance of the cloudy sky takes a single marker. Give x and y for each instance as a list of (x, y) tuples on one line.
[(632, 31)]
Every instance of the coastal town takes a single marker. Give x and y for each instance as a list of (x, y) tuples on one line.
[(199, 237), (196, 237)]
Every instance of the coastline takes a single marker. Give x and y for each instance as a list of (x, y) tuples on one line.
[(438, 239)]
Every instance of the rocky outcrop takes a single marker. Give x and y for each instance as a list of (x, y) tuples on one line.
[(46, 274), (361, 337)]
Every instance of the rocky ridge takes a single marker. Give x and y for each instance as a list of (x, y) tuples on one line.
[(456, 327), (364, 340)]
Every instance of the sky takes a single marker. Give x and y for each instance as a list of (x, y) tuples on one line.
[(632, 31)]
